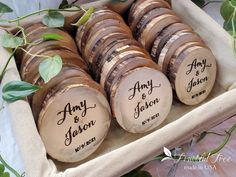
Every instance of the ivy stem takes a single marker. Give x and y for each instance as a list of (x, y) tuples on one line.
[(226, 140), (40, 11), (8, 61), (9, 168), (34, 55)]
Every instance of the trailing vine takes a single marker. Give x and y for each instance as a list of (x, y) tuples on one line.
[(51, 65)]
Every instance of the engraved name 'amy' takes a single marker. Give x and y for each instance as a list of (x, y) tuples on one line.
[(77, 111), (198, 67), (138, 88)]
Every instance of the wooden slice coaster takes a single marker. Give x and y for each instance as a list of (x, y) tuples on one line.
[(30, 68), (113, 50), (113, 60), (102, 24), (40, 95), (110, 47), (142, 10), (37, 80), (145, 19), (36, 37), (97, 16), (141, 99), (172, 45), (43, 47), (139, 4), (154, 27), (106, 41), (74, 120), (124, 67), (164, 36), (34, 27), (193, 74), (94, 40)]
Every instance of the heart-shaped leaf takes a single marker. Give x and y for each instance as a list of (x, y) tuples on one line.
[(50, 67), (52, 36), (10, 41), (85, 17), (17, 90), (5, 8), (226, 10), (54, 19)]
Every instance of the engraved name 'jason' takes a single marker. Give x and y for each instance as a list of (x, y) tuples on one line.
[(138, 88), (69, 111)]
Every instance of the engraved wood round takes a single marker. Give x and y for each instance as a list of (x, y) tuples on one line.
[(164, 36), (95, 39), (141, 99), (40, 95), (114, 49), (154, 27), (103, 49), (110, 64), (148, 17), (127, 65), (172, 45), (97, 16), (139, 4), (30, 69), (74, 120), (192, 73), (142, 10)]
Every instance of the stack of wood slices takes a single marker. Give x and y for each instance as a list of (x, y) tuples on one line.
[(140, 95), (71, 110), (181, 53)]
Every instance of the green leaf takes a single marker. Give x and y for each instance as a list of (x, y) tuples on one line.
[(5, 174), (230, 25), (64, 4), (10, 41), (50, 67), (199, 3), (2, 169), (85, 17), (17, 90), (52, 36), (227, 10), (4, 8), (54, 19)]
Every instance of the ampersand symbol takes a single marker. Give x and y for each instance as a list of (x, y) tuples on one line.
[(76, 119), (143, 96), (197, 73)]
